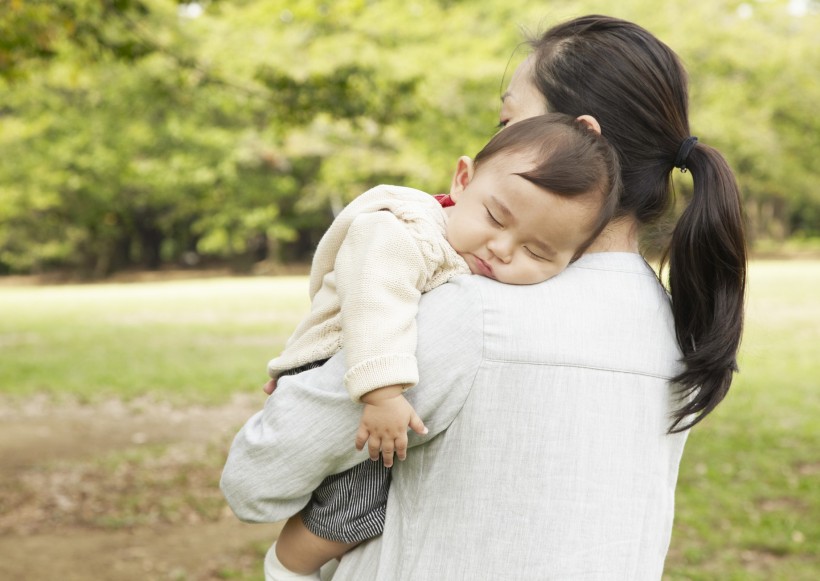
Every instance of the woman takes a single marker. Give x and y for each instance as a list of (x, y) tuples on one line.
[(557, 412), (636, 88)]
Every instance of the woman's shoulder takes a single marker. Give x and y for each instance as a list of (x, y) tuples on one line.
[(626, 262)]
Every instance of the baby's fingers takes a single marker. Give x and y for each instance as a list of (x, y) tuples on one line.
[(373, 446), (401, 447), (387, 452), (269, 386), (361, 437), (417, 425)]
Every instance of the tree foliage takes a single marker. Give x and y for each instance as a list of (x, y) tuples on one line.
[(151, 132)]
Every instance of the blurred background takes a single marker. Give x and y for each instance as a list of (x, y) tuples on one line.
[(150, 133), (185, 158)]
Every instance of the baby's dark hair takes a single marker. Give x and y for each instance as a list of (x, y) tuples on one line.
[(570, 160)]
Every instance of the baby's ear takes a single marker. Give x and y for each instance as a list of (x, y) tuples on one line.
[(590, 122), (462, 176)]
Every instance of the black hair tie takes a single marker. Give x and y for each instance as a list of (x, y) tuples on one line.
[(683, 153)]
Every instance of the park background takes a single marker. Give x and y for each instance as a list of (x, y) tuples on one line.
[(167, 168)]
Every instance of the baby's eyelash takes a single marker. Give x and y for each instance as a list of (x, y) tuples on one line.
[(534, 255), (492, 218)]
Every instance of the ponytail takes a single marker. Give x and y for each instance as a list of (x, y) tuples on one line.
[(707, 281), (639, 95)]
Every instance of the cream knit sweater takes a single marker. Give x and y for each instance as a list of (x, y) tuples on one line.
[(379, 255)]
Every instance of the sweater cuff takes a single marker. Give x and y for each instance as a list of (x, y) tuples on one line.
[(380, 372)]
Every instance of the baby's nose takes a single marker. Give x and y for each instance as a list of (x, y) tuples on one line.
[(501, 250)]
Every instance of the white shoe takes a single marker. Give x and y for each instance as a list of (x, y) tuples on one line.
[(328, 570), (276, 571)]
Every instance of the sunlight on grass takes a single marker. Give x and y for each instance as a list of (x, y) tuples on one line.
[(749, 489), (197, 340)]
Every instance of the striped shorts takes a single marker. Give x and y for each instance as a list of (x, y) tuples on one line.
[(348, 507)]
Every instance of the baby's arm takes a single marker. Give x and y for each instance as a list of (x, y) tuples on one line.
[(379, 273)]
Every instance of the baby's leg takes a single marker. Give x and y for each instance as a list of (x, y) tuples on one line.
[(345, 509), (300, 551)]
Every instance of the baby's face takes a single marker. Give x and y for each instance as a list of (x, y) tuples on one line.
[(508, 229)]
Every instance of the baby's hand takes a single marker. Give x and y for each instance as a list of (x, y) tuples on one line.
[(384, 424), (269, 386)]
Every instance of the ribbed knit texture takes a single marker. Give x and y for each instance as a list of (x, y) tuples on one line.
[(384, 250)]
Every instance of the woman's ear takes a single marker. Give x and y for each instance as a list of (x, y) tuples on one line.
[(462, 176), (590, 122)]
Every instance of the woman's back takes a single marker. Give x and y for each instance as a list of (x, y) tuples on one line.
[(558, 464)]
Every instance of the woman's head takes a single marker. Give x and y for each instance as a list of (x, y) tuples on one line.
[(534, 198), (636, 88), (629, 81)]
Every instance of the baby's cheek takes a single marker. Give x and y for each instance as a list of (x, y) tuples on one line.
[(546, 272)]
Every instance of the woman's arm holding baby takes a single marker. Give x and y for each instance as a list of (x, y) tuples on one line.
[(307, 428)]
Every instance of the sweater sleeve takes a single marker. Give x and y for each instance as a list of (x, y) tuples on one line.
[(380, 271)]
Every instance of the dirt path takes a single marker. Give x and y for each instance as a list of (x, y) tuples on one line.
[(120, 491)]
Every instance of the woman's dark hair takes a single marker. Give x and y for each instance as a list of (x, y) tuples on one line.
[(636, 87), (570, 160)]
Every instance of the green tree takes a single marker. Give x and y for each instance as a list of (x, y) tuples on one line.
[(148, 132)]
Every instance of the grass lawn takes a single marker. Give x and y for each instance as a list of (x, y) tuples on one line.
[(196, 341), (748, 502)]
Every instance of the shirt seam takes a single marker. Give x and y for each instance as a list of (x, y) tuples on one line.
[(580, 366)]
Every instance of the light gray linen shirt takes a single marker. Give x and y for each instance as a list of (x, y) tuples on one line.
[(547, 456)]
